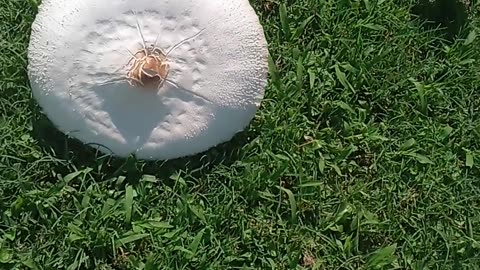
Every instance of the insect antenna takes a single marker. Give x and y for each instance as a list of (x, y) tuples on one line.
[(183, 41), (139, 29), (131, 53), (155, 48), (156, 40)]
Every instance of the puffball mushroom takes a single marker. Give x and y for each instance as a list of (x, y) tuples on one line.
[(159, 79)]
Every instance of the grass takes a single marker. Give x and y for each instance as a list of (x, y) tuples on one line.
[(364, 155)]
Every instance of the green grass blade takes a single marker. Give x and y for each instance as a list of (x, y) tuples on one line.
[(382, 257), (274, 75), (292, 203), (470, 38), (128, 205), (469, 159), (193, 247), (299, 31), (198, 212), (300, 71), (284, 20), (130, 239)]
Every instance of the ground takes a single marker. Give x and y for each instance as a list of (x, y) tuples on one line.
[(364, 155)]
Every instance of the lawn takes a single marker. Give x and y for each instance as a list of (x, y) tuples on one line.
[(364, 155)]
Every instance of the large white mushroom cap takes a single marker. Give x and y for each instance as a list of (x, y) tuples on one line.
[(79, 58)]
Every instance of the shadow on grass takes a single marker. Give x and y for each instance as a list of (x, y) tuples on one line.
[(449, 15), (80, 155)]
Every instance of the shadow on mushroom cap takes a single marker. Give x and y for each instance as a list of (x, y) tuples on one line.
[(136, 121)]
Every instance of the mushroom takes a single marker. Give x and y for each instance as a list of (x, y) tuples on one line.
[(158, 79)]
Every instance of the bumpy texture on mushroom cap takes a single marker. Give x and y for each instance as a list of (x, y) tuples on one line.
[(77, 57)]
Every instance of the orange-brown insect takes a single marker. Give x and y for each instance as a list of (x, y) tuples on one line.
[(149, 69), (150, 66)]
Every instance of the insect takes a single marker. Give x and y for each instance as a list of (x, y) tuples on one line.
[(149, 69), (149, 66)]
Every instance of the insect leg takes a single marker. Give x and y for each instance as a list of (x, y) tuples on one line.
[(186, 90), (139, 29), (183, 41)]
